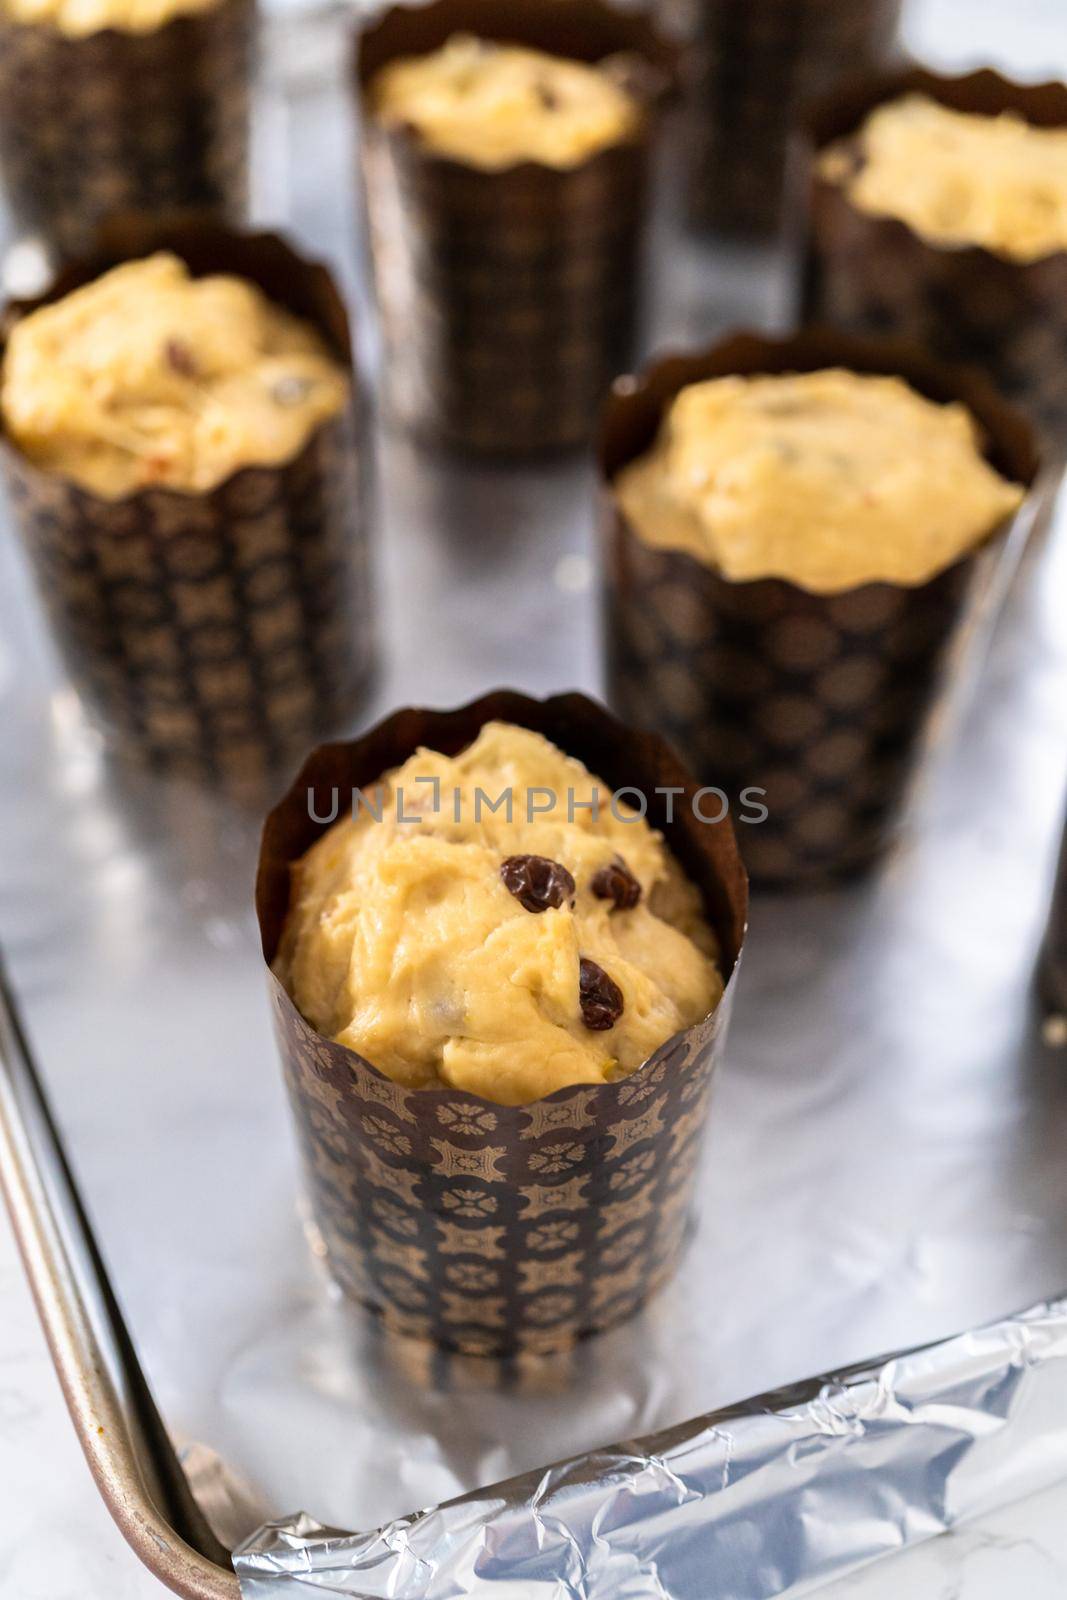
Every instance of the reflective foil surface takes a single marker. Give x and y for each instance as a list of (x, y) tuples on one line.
[(886, 1163)]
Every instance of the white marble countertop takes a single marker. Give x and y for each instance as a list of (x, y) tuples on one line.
[(49, 1499), (46, 1492)]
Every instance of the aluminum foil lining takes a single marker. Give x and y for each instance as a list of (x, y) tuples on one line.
[(769, 1499)]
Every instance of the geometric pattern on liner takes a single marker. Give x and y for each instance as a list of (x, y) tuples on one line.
[(504, 335), (820, 700), (215, 632), (480, 1228), (487, 1229), (873, 274), (120, 121), (509, 299), (748, 68)]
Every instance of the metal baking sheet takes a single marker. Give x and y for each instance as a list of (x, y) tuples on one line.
[(886, 1163)]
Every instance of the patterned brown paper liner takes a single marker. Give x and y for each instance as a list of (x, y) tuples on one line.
[(820, 700), (509, 300), (216, 632), (492, 1229), (748, 68), (420, 1364), (120, 121), (874, 274), (1053, 970)]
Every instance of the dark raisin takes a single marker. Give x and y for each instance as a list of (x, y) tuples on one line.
[(180, 358), (616, 882), (537, 883), (599, 996), (291, 390), (548, 97)]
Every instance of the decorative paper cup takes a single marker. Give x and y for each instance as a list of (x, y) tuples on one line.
[(483, 1228), (508, 299), (820, 700), (749, 67), (1053, 970), (120, 121), (963, 303), (219, 631)]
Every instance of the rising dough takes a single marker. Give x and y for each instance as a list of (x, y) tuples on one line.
[(77, 18), (150, 378), (957, 178), (829, 479), (492, 105), (414, 942)]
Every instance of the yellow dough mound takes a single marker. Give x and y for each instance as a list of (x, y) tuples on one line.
[(404, 942), (77, 18), (829, 479), (493, 105), (958, 178), (151, 378)]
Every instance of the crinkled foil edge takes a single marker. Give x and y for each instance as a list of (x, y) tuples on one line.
[(764, 1500)]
